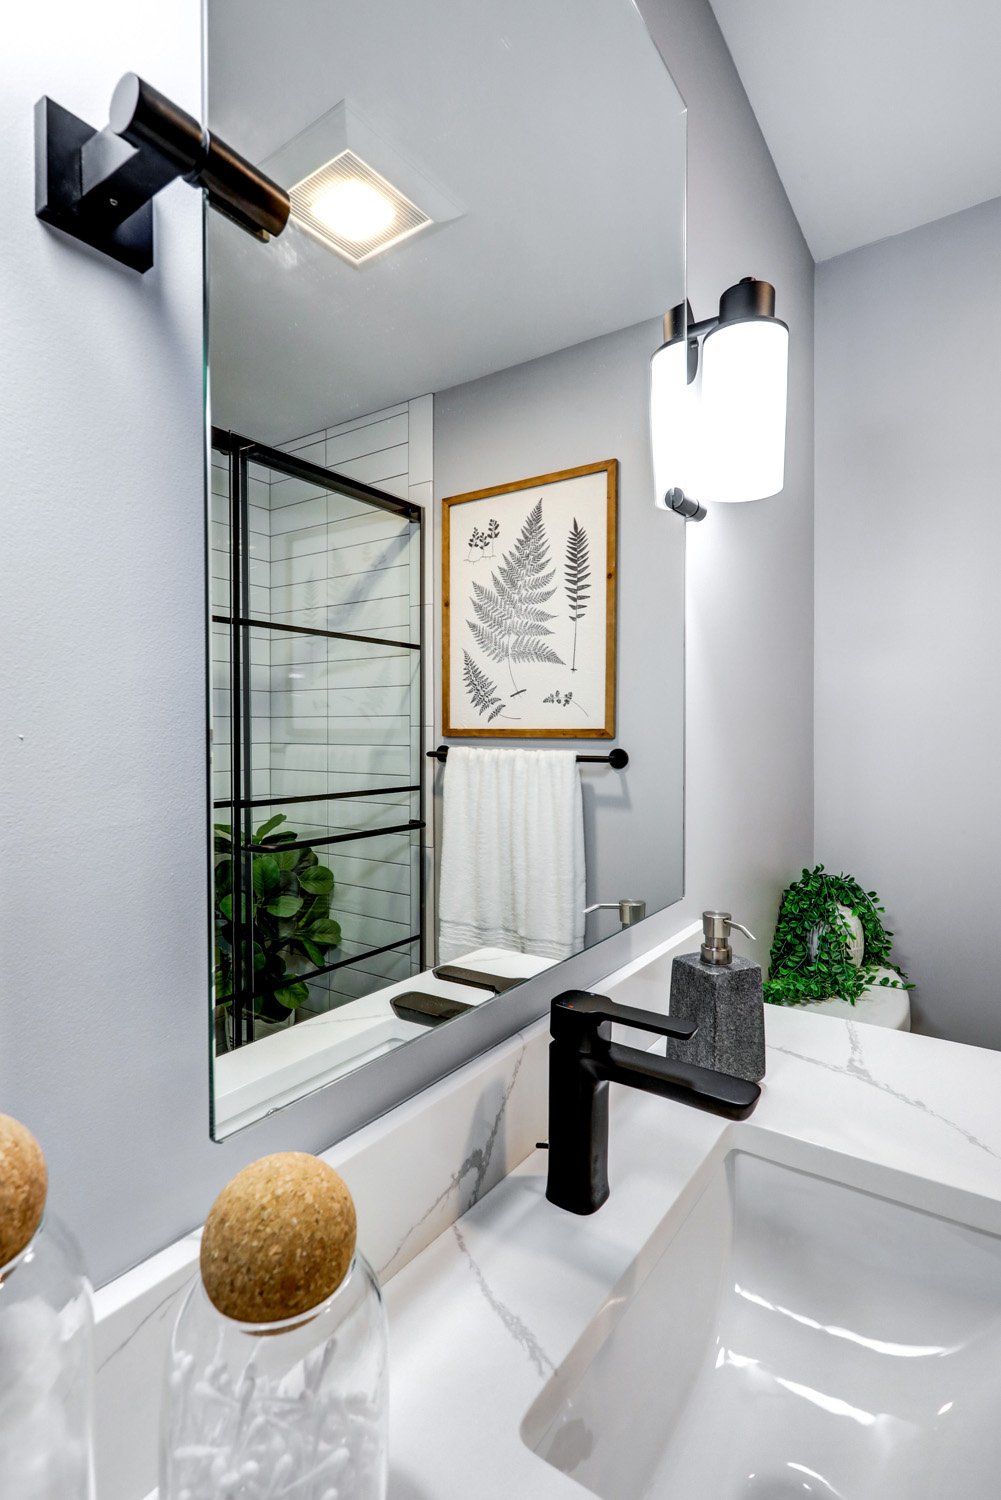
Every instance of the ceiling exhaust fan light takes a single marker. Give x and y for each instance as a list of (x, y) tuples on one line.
[(353, 210)]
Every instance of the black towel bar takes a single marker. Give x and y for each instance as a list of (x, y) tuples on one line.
[(617, 759)]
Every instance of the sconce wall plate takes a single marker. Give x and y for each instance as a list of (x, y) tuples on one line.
[(60, 138)]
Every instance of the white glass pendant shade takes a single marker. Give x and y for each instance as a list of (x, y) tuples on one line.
[(745, 365), (674, 422)]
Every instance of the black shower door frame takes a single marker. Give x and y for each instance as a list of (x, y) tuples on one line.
[(242, 452)]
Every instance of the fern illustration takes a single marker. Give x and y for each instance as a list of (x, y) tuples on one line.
[(577, 574), (564, 700), (481, 690), (511, 623), (481, 540)]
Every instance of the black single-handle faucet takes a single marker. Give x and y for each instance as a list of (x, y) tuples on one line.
[(583, 1060)]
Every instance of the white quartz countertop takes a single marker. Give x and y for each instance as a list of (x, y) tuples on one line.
[(482, 1317)]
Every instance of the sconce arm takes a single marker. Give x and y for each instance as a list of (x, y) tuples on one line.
[(98, 185)]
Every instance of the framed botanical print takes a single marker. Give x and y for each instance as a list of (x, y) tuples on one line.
[(528, 617)]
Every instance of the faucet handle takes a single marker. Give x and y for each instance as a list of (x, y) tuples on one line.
[(577, 1011)]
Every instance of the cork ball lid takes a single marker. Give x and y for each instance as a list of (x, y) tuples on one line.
[(24, 1182), (279, 1239)]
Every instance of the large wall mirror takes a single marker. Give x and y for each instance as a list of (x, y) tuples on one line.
[(488, 225)]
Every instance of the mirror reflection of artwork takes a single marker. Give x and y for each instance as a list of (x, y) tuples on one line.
[(528, 623)]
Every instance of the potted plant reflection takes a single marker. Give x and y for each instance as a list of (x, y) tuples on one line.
[(283, 924)]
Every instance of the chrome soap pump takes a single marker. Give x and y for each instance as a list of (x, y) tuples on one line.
[(723, 996)]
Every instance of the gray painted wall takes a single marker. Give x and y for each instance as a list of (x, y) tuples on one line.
[(581, 406), (908, 606), (749, 633), (103, 1031)]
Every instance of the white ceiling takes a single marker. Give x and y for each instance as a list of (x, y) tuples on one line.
[(553, 124), (880, 114)]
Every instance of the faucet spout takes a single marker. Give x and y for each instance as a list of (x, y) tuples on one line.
[(583, 1060), (718, 1093)]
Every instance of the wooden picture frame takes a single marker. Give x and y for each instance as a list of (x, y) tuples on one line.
[(528, 632)]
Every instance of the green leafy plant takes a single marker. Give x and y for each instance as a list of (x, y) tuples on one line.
[(292, 929), (810, 958)]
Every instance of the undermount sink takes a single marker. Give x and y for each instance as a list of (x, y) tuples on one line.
[(788, 1335)]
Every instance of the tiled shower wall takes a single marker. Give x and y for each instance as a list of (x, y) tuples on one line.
[(336, 715), (373, 730)]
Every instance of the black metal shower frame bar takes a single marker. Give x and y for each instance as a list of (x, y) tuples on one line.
[(344, 963), (413, 825), (369, 791), (333, 635), (242, 452), (300, 468)]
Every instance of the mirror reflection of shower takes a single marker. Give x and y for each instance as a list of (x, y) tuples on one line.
[(316, 676)]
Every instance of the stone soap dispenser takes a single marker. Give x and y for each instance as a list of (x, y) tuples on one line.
[(723, 996)]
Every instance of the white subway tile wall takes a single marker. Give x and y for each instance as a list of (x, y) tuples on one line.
[(331, 715)]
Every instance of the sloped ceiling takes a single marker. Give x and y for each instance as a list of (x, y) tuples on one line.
[(880, 114)]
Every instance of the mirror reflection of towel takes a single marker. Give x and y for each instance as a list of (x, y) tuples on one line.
[(512, 853)]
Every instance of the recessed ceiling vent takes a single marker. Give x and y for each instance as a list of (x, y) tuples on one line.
[(353, 209), (353, 189)]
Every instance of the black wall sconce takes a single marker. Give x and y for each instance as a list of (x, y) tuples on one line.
[(718, 403), (99, 185)]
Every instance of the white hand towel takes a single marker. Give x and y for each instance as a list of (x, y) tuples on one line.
[(512, 853)]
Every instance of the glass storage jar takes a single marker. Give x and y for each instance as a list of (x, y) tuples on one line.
[(46, 1370), (265, 1411)]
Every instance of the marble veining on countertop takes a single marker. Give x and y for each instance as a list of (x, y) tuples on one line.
[(488, 1286), (412, 1173), (483, 1316)]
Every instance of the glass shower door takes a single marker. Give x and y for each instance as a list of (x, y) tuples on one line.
[(317, 691)]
